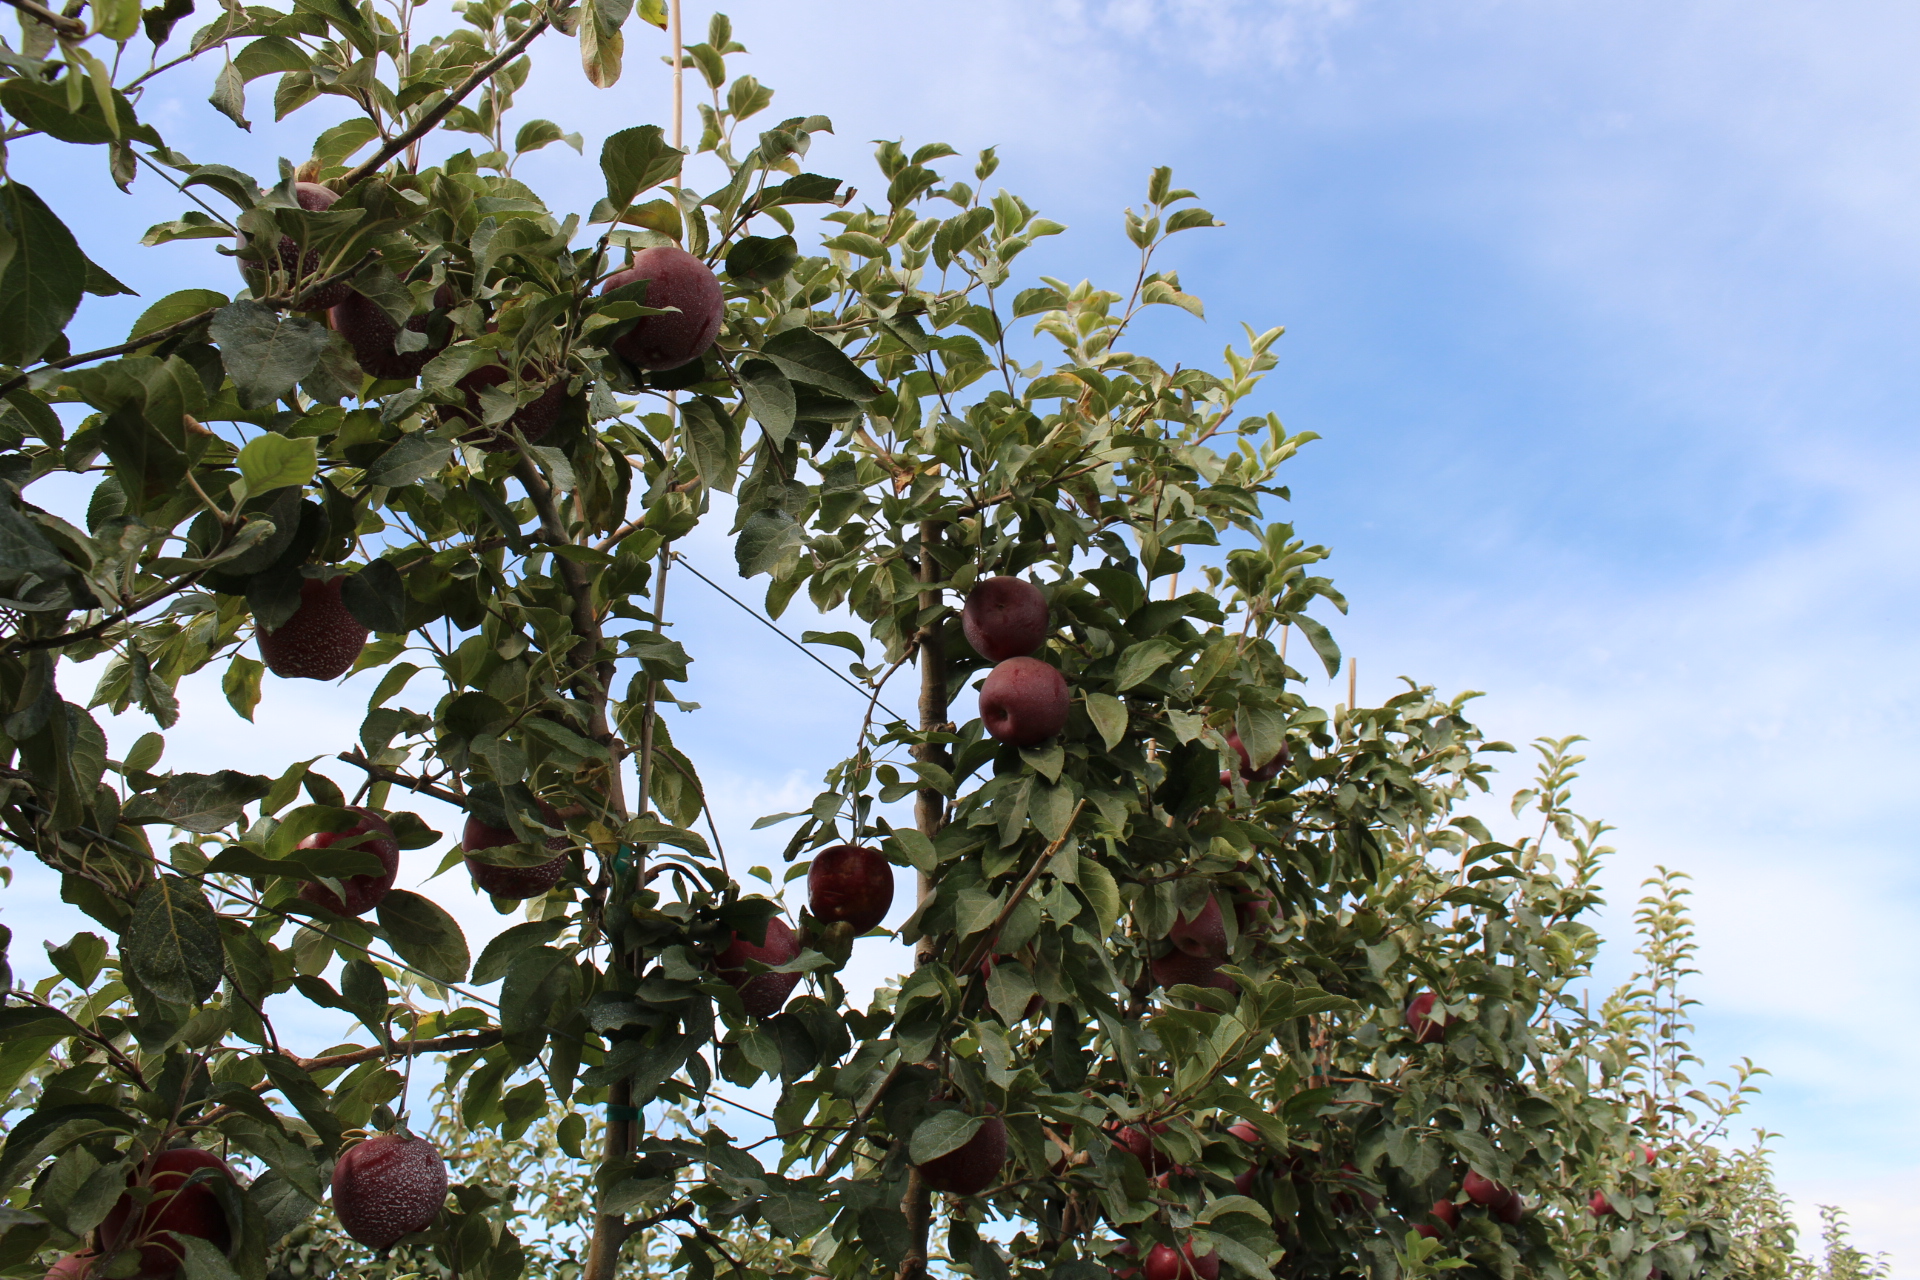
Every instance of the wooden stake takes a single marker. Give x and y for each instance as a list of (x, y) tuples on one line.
[(1353, 679)]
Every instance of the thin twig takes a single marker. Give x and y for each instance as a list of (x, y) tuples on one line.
[(420, 785), (70, 27), (134, 344)]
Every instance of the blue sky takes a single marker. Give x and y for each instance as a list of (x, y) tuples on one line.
[(1605, 312)]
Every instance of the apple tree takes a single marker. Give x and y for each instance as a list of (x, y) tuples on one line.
[(1205, 977)]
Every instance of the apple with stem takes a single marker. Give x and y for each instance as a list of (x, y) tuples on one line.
[(1004, 618), (852, 884), (674, 278), (1024, 701), (320, 641), (1426, 1028)]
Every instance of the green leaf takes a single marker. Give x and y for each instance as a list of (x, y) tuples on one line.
[(1322, 641), (174, 308), (241, 684), (497, 956), (229, 96), (712, 440), (1140, 661), (636, 160), (43, 281), (46, 107), (762, 260), (269, 462), (79, 958), (1109, 716), (266, 354), (601, 44), (941, 1132), (654, 831), (413, 457), (1103, 895), (535, 134), (425, 936), (101, 283), (200, 802), (377, 598), (805, 356), (172, 945), (767, 540), (769, 398)]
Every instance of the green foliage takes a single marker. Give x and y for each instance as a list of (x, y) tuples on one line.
[(500, 493)]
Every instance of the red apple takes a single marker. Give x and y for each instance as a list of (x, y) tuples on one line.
[(1369, 1201), (852, 884), (1177, 967), (370, 834), (532, 420), (1600, 1206), (1164, 1262), (518, 883), (1255, 914), (762, 993), (675, 278), (1426, 1028), (1024, 701), (1244, 1180), (371, 331), (190, 1209), (1266, 772), (1004, 618), (1204, 936), (388, 1187), (302, 268), (320, 641), (1510, 1209), (1131, 1252), (1483, 1191), (1448, 1216), (75, 1266), (1139, 1141), (974, 1165)]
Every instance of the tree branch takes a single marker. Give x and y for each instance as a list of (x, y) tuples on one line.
[(411, 783), (72, 28), (425, 124), (133, 344)]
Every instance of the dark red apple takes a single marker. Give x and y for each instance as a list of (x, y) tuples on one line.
[(974, 1165), (1266, 772), (1164, 1262), (762, 993), (1368, 1201), (1510, 1209), (1600, 1206), (388, 1187), (371, 331), (1482, 1190), (518, 883), (1139, 1141), (320, 641), (370, 834), (1204, 936), (1244, 1180), (1176, 967), (1446, 1214), (312, 196), (191, 1210), (851, 884), (1426, 1028), (1131, 1252), (675, 278), (532, 420), (1023, 701), (1004, 618), (1255, 914)]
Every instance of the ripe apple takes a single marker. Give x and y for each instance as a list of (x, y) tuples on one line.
[(1176, 967), (370, 834), (75, 1266), (1266, 772), (1511, 1209), (1426, 1028), (1599, 1206), (852, 884), (191, 1210), (1255, 914), (532, 419), (675, 278), (1204, 936), (299, 267), (1139, 1141), (320, 641), (1004, 618), (371, 331), (974, 1165), (518, 883), (387, 1187), (1243, 1181), (1024, 701), (1483, 1191), (762, 993), (1164, 1262), (1369, 1201), (1130, 1251), (1447, 1215)]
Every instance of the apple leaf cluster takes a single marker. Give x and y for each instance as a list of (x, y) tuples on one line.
[(1170, 918)]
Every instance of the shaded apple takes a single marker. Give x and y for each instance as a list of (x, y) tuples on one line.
[(1024, 701), (1138, 1140), (1599, 1206), (762, 993), (1266, 772), (518, 883), (1004, 618), (1255, 914), (1125, 1249), (1350, 1172), (532, 420), (191, 1208), (974, 1165), (75, 1266), (1164, 1262), (851, 884), (675, 278), (320, 641), (1244, 1180), (370, 834), (1177, 967), (1426, 1028), (1445, 1214), (371, 332), (1204, 936), (1510, 1208), (387, 1187)]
